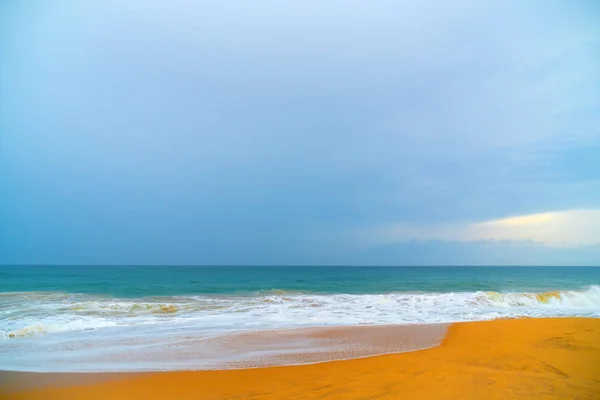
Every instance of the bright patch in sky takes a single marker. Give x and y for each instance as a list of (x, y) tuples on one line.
[(560, 228)]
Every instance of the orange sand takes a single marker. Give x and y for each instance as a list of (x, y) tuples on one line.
[(503, 359)]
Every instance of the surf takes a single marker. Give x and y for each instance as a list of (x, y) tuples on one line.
[(28, 315)]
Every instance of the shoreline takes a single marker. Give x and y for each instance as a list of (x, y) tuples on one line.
[(548, 358), (257, 349), (250, 349)]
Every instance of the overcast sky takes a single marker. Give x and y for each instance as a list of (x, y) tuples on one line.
[(300, 132)]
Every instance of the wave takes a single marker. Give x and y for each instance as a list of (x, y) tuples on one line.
[(43, 328), (27, 315), (560, 299), (123, 307)]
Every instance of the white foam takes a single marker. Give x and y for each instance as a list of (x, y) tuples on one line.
[(27, 314), (34, 321)]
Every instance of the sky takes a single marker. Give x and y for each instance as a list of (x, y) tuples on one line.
[(385, 132)]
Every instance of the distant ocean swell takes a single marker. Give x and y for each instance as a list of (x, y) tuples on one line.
[(27, 315)]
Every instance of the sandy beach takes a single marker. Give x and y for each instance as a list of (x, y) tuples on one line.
[(504, 359)]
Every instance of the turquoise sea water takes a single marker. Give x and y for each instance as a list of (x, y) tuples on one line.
[(68, 317), (139, 281)]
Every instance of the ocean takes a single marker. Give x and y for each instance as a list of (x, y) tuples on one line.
[(52, 317)]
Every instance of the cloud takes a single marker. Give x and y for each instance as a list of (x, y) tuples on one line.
[(249, 132), (558, 228)]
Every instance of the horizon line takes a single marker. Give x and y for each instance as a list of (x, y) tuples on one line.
[(301, 265)]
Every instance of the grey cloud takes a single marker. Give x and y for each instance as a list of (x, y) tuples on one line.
[(197, 125)]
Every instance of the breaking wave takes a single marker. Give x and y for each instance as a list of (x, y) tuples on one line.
[(33, 314), (42, 328), (587, 299)]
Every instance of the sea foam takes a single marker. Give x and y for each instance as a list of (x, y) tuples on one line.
[(24, 315), (56, 331)]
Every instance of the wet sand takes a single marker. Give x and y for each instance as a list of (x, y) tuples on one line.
[(504, 359), (290, 347), (245, 350), (185, 352)]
